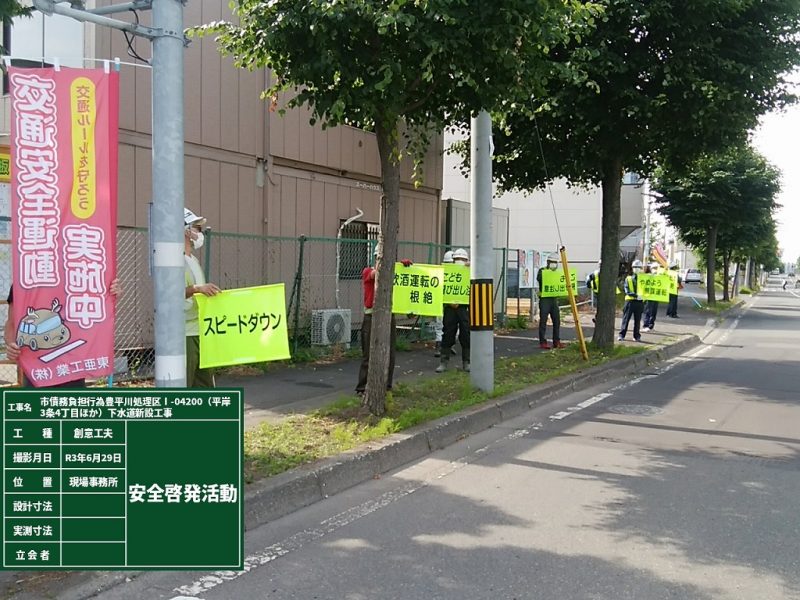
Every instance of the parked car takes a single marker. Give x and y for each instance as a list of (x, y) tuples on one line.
[(692, 276)]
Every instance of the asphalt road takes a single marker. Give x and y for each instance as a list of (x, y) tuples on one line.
[(683, 483)]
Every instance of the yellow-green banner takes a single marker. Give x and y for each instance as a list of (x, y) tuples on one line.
[(243, 326), (456, 284), (418, 290), (554, 284), (653, 287), (673, 282)]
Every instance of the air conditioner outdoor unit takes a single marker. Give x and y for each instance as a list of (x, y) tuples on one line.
[(330, 326)]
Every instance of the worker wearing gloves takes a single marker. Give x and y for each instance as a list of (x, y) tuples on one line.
[(456, 318)]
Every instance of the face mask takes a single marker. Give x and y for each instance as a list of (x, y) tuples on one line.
[(552, 266), (199, 240)]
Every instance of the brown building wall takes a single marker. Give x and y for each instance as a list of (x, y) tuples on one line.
[(314, 177)]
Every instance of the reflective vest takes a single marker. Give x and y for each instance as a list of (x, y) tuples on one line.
[(594, 281), (630, 287)]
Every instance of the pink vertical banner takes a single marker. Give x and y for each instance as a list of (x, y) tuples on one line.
[(64, 129)]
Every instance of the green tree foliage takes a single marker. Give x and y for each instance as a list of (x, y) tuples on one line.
[(392, 65), (724, 205), (663, 81), (12, 8)]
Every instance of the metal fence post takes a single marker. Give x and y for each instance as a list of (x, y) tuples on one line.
[(296, 294), (207, 255)]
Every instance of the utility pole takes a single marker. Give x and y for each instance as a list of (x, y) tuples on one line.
[(166, 219), (482, 267)]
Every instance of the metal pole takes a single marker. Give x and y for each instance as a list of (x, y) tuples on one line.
[(482, 337), (168, 195)]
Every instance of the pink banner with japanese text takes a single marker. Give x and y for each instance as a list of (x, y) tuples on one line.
[(64, 128)]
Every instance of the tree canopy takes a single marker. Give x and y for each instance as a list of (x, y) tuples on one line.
[(662, 81), (380, 65), (723, 204), (13, 8)]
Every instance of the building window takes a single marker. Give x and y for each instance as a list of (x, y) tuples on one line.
[(355, 255)]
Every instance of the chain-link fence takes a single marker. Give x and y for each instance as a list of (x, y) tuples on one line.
[(322, 278), (8, 370)]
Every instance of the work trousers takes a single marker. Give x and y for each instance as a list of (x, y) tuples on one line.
[(672, 306), (548, 307), (456, 318), (632, 308), (650, 313), (366, 334)]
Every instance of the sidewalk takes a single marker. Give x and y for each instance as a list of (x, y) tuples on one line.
[(303, 388)]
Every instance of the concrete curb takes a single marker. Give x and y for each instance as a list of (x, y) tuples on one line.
[(277, 496)]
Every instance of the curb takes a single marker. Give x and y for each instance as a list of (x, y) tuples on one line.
[(282, 494)]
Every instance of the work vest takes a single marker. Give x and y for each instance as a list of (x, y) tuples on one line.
[(630, 284), (594, 281)]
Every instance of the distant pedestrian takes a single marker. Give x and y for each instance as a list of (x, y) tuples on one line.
[(456, 318), (672, 306), (548, 307), (650, 306), (634, 306)]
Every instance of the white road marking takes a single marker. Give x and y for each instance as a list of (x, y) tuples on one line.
[(333, 524)]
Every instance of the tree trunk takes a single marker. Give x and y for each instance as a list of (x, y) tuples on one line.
[(711, 251), (609, 253), (726, 269), (379, 347)]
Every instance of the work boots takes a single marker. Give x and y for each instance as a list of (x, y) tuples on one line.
[(438, 350), (442, 365), (465, 366)]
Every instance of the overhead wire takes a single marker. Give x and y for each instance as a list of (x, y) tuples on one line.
[(548, 183)]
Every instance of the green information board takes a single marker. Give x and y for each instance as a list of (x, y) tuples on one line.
[(122, 479)]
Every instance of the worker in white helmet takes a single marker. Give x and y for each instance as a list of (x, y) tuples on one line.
[(455, 318), (634, 305), (548, 307)]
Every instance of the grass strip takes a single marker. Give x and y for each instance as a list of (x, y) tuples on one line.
[(273, 448)]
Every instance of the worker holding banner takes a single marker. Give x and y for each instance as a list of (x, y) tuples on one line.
[(193, 239), (551, 287), (650, 306), (456, 314), (676, 284), (634, 305)]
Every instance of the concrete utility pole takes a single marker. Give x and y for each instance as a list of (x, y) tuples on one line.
[(166, 224), (482, 264)]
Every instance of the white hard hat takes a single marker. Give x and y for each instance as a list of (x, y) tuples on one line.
[(654, 265), (673, 265), (460, 254), (553, 258), (637, 264), (448, 257), (189, 219), (375, 252)]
